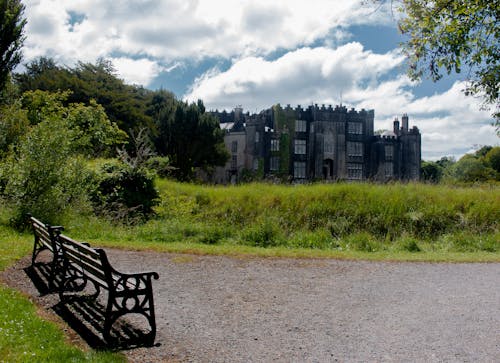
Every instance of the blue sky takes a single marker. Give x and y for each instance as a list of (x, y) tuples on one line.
[(258, 53)]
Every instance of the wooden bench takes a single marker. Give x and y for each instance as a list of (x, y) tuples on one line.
[(127, 293), (45, 240)]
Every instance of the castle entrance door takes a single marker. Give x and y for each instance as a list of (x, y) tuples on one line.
[(328, 169)]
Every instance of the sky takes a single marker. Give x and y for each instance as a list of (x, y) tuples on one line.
[(257, 53)]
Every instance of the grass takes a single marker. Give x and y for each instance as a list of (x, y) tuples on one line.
[(412, 222)]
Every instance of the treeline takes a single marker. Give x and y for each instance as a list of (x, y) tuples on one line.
[(171, 124), (480, 166), (81, 138)]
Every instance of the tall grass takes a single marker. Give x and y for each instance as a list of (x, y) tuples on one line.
[(340, 217)]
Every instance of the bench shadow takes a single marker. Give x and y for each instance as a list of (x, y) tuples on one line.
[(85, 315), (40, 275)]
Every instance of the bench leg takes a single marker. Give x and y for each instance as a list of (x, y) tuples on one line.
[(142, 304)]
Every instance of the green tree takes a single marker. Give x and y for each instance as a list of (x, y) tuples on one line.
[(190, 137), (13, 125), (11, 37), (124, 104), (43, 177), (455, 35), (431, 171), (492, 158), (470, 169), (92, 133), (451, 36)]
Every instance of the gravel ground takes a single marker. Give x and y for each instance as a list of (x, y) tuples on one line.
[(221, 309)]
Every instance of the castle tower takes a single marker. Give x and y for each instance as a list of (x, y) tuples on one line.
[(404, 120)]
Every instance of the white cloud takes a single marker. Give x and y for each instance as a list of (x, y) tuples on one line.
[(136, 71), (301, 76), (169, 30)]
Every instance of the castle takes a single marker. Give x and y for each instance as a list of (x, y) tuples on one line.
[(317, 143)]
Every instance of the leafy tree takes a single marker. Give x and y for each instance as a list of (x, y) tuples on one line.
[(13, 125), (446, 161), (492, 158), (11, 37), (92, 133), (431, 171), (470, 169), (43, 177), (451, 36), (124, 104), (190, 137)]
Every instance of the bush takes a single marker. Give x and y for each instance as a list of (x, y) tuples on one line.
[(362, 242), (43, 177), (264, 234), (124, 193), (408, 244)]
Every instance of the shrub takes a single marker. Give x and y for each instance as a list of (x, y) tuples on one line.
[(362, 242), (264, 234), (43, 177), (124, 193), (408, 244)]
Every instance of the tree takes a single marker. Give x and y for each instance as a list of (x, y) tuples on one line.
[(43, 177), (124, 104), (492, 159), (454, 36), (431, 171), (13, 125), (189, 136), (11, 37), (470, 169)]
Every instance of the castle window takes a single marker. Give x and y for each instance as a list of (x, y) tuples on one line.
[(234, 146), (255, 164), (299, 169), (300, 126), (300, 147), (389, 170), (274, 163), (355, 128), (234, 161), (354, 149), (389, 152), (328, 146), (275, 145), (257, 136), (355, 171)]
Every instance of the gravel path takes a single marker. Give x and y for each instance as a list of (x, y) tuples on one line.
[(220, 309)]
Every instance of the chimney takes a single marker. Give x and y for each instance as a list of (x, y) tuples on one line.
[(396, 126), (404, 120)]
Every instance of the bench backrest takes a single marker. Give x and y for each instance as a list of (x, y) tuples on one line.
[(88, 258), (44, 233)]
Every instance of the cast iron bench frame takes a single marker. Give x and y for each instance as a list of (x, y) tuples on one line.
[(128, 293)]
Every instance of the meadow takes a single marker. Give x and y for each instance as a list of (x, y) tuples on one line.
[(385, 222)]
